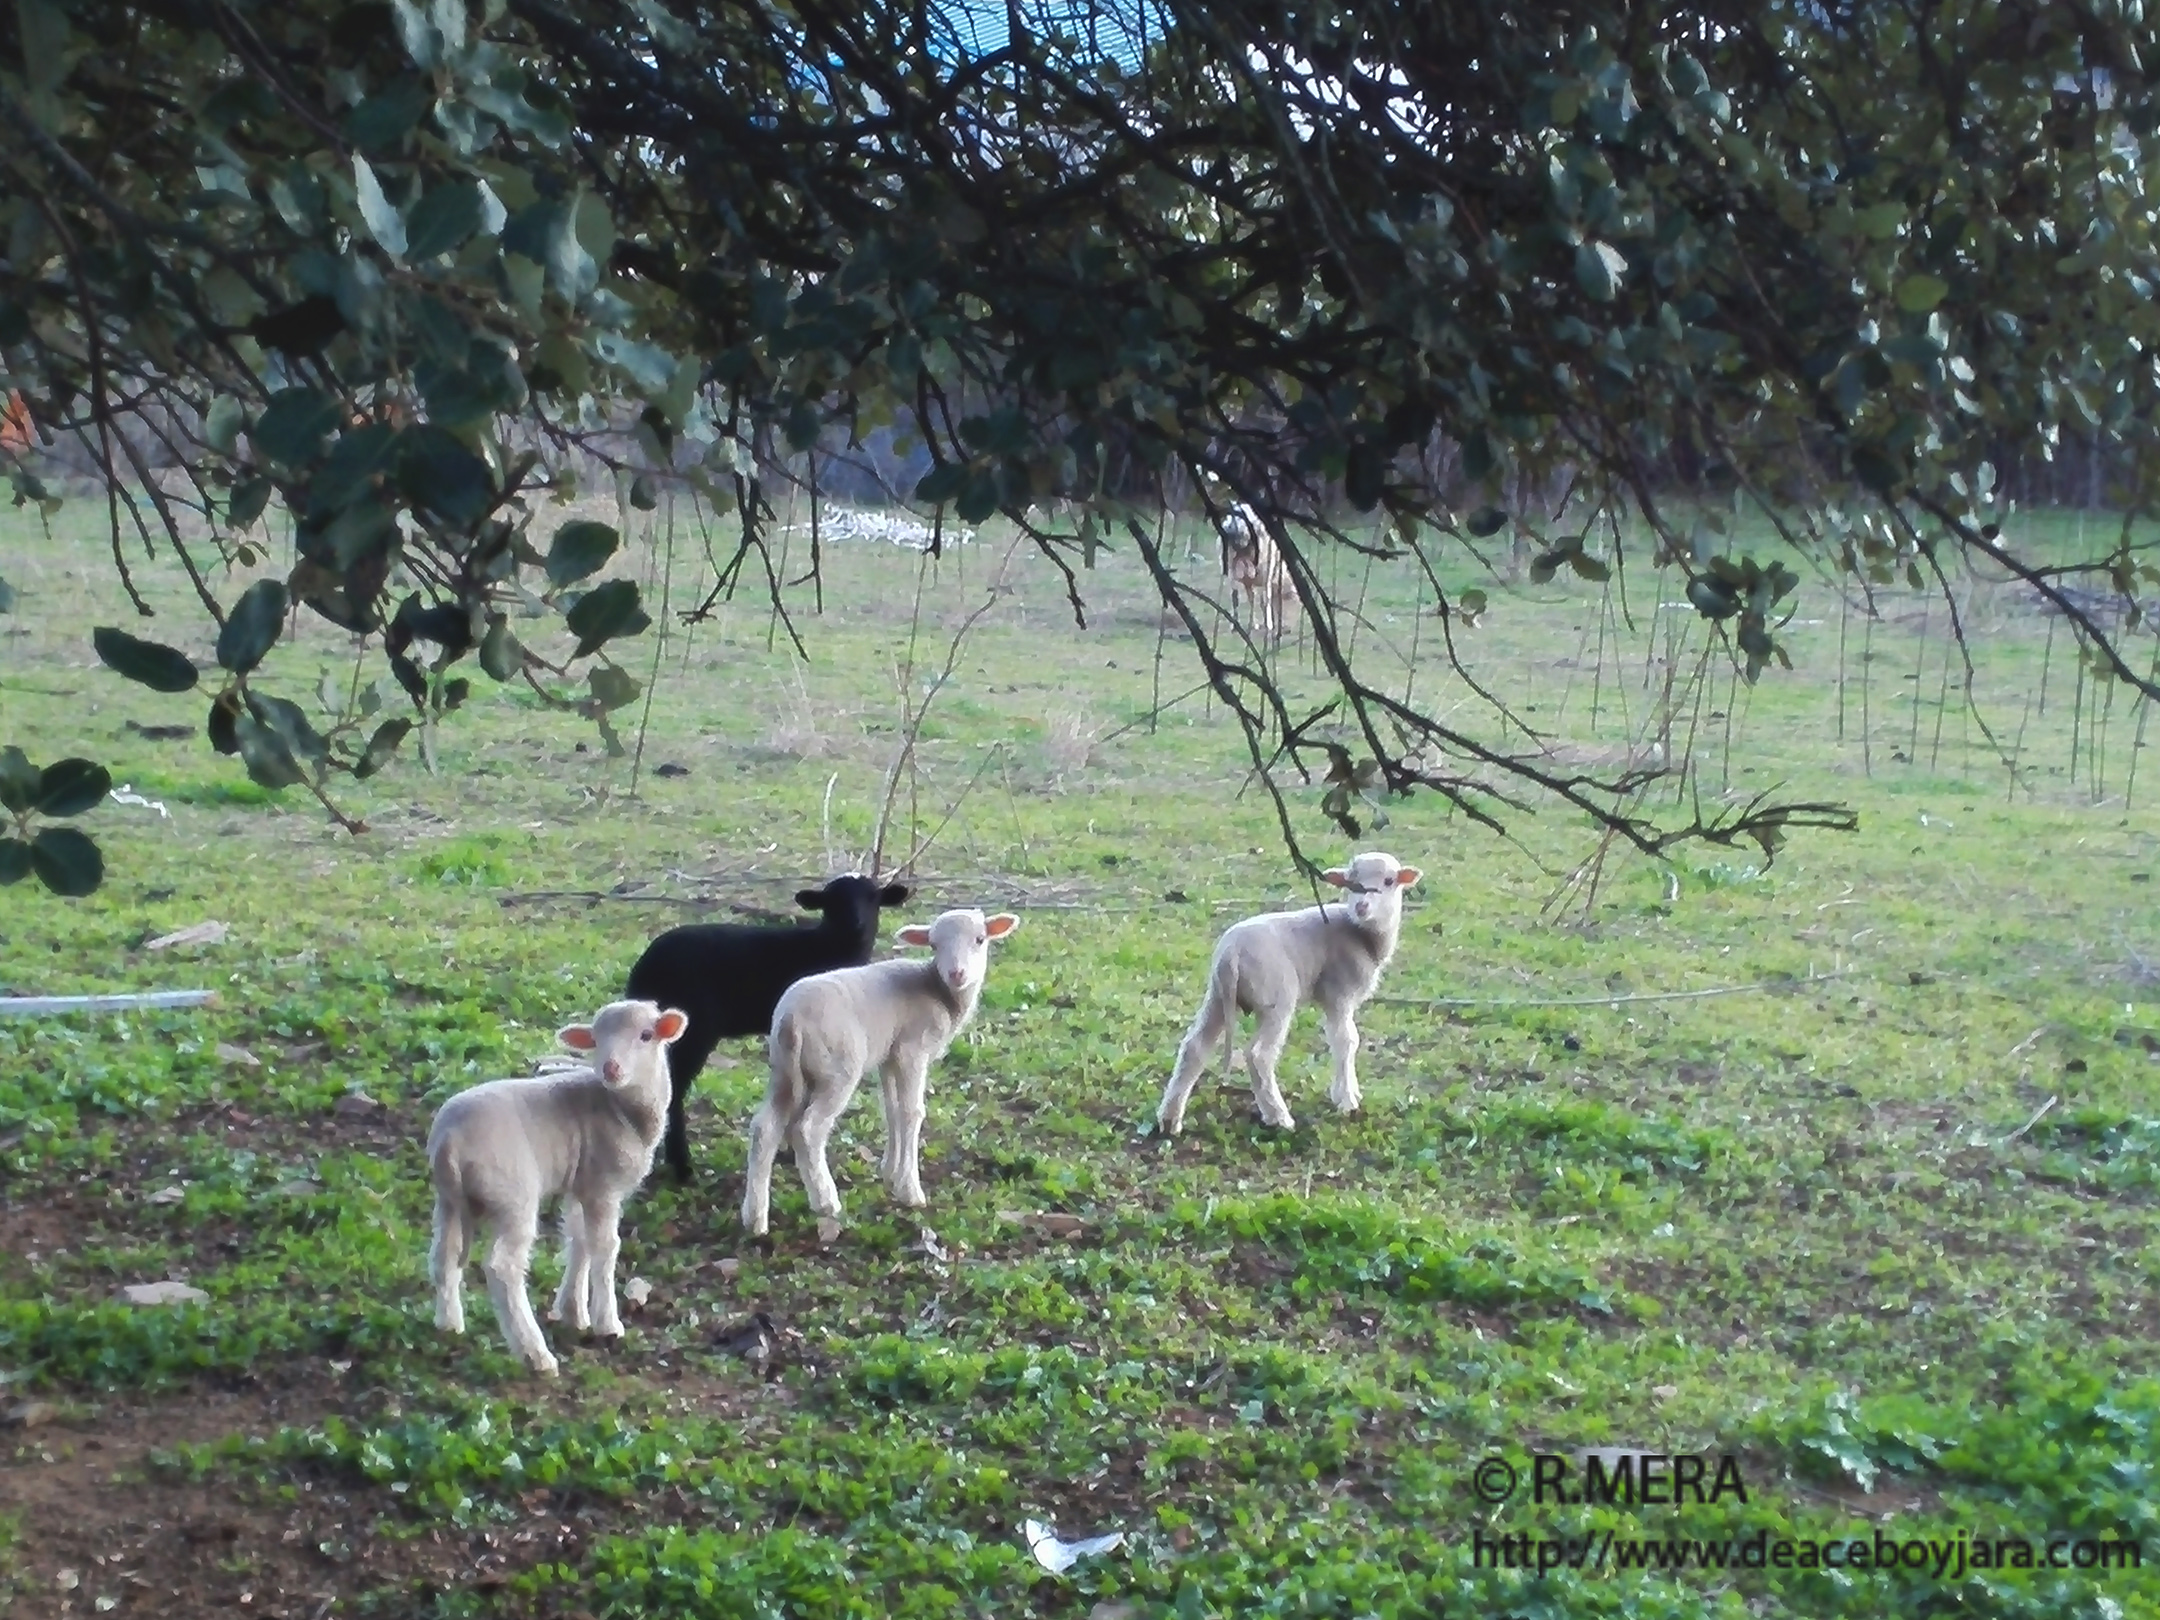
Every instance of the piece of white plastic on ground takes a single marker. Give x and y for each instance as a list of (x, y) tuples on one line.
[(636, 1292), (131, 1001), (125, 794), (168, 1195), (202, 933), (163, 1293), (931, 1246), (1058, 1556), (239, 1055)]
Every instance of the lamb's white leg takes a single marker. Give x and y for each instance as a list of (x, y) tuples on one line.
[(1261, 1057), (911, 1092), (813, 1134), (1192, 1059), (446, 1262), (891, 1082), (766, 1131), (1343, 1041), (576, 1267), (508, 1258), (603, 1237)]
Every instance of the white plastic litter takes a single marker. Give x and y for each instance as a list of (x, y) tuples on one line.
[(162, 1293), (125, 794), (1058, 1556)]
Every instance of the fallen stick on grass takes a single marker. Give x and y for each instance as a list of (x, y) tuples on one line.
[(134, 1001)]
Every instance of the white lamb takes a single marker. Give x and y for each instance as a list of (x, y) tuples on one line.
[(1253, 564), (1272, 965), (586, 1134), (831, 1028)]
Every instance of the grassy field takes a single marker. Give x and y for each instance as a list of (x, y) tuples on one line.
[(1820, 1226)]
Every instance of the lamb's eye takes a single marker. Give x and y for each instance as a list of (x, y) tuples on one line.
[(982, 939), (646, 1036)]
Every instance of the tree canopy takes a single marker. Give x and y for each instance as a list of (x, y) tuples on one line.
[(387, 266)]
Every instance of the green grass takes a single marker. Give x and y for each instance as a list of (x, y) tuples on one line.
[(1798, 1225)]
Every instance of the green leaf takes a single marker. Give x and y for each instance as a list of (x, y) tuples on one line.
[(1486, 520), (1470, 604), (613, 688), (249, 497), (7, 597), (18, 780), (1916, 295), (941, 484), (1880, 222), (1543, 568), (253, 628), (162, 669), (292, 725), (71, 786), (269, 760), (1589, 567), (385, 118), (438, 474), (67, 862), (293, 425), (381, 747), (604, 613), (1365, 476), (222, 424), (380, 214), (14, 860), (1599, 268), (500, 654), (444, 219), (1713, 598), (644, 495), (580, 549), (979, 500), (1875, 469), (222, 724)]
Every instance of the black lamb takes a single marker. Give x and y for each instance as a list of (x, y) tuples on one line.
[(729, 976)]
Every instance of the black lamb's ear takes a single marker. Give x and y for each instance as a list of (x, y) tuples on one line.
[(810, 899), (894, 894)]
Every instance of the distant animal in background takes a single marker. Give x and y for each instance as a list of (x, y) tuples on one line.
[(1260, 588), (1272, 965), (728, 977), (584, 1133), (830, 1030)]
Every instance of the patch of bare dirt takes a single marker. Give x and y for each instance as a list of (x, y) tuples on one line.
[(104, 1531)]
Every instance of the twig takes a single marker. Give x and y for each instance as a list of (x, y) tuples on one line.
[(33, 1006), (2026, 1042), (2038, 1115)]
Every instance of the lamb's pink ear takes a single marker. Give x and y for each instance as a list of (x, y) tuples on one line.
[(1337, 876), (578, 1037), (1407, 876), (913, 934), (1001, 925), (671, 1025)]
